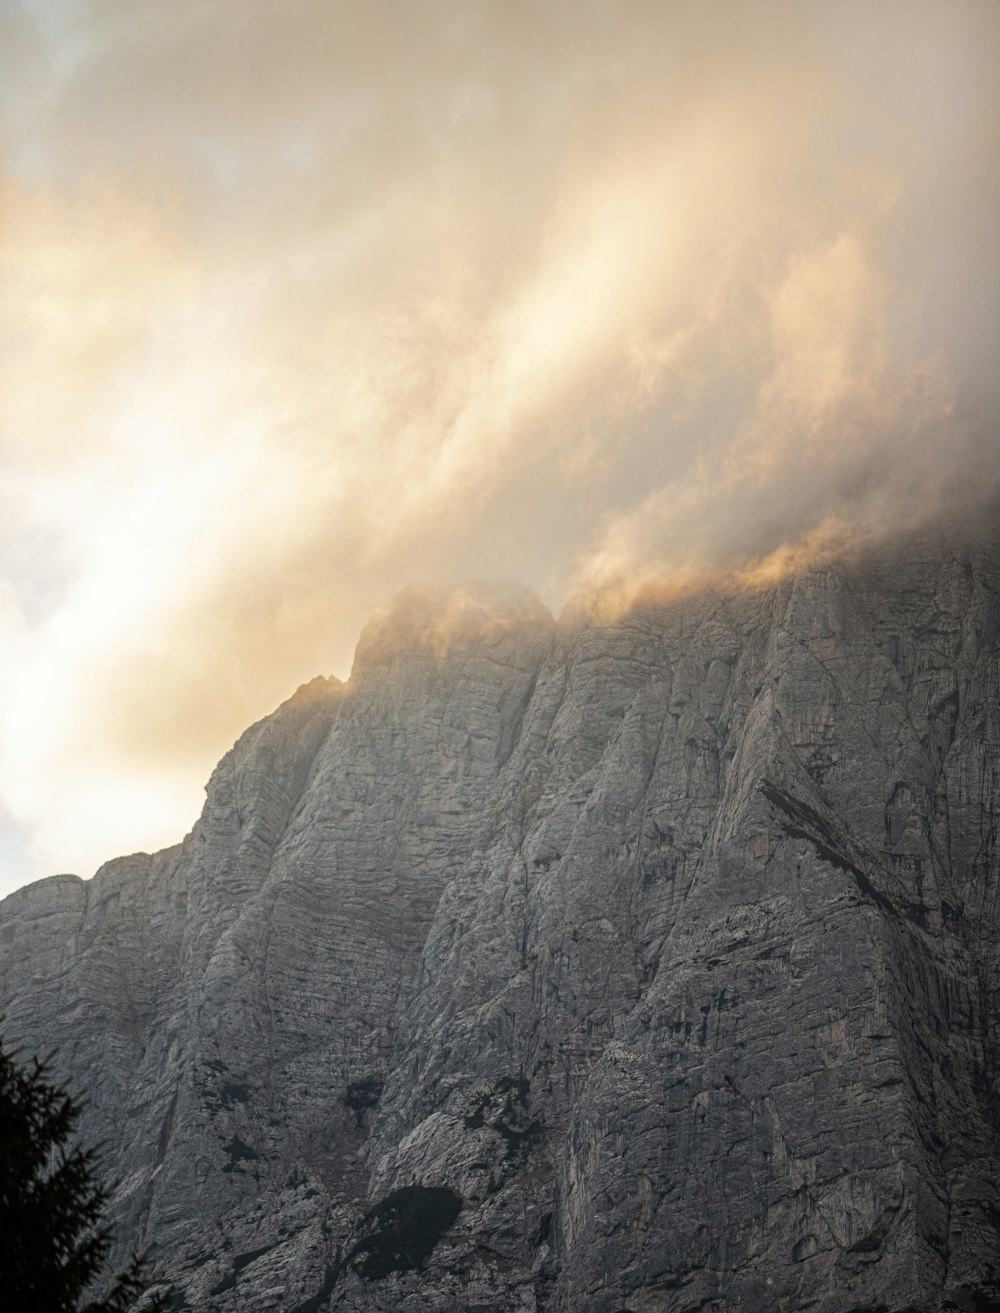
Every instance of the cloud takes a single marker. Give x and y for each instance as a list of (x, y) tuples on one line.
[(305, 302)]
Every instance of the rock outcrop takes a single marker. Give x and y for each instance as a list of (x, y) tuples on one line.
[(583, 966)]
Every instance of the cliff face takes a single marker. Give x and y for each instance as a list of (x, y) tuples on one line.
[(651, 965)]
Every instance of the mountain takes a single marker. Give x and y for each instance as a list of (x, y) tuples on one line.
[(646, 964)]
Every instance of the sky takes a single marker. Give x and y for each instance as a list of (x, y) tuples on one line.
[(302, 302)]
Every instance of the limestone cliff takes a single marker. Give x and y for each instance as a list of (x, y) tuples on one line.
[(645, 965)]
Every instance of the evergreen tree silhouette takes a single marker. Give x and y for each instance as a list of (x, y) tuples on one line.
[(52, 1245)]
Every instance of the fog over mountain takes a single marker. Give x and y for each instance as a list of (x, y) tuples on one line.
[(613, 927), (306, 302)]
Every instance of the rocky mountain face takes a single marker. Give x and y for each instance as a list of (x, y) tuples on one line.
[(619, 967)]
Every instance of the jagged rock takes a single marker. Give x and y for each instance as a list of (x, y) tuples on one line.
[(636, 965)]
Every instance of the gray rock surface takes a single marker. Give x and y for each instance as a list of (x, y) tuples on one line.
[(647, 965)]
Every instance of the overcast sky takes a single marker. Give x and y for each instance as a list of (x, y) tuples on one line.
[(303, 301)]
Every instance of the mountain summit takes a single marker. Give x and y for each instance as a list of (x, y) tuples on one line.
[(569, 966)]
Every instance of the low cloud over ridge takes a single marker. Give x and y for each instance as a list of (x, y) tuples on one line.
[(306, 301)]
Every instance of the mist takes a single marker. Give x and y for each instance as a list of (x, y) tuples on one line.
[(304, 303)]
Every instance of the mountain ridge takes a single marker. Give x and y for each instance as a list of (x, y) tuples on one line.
[(665, 946)]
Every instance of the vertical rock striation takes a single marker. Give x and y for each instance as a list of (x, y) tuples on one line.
[(646, 965)]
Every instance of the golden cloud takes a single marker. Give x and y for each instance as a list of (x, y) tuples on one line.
[(304, 303)]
